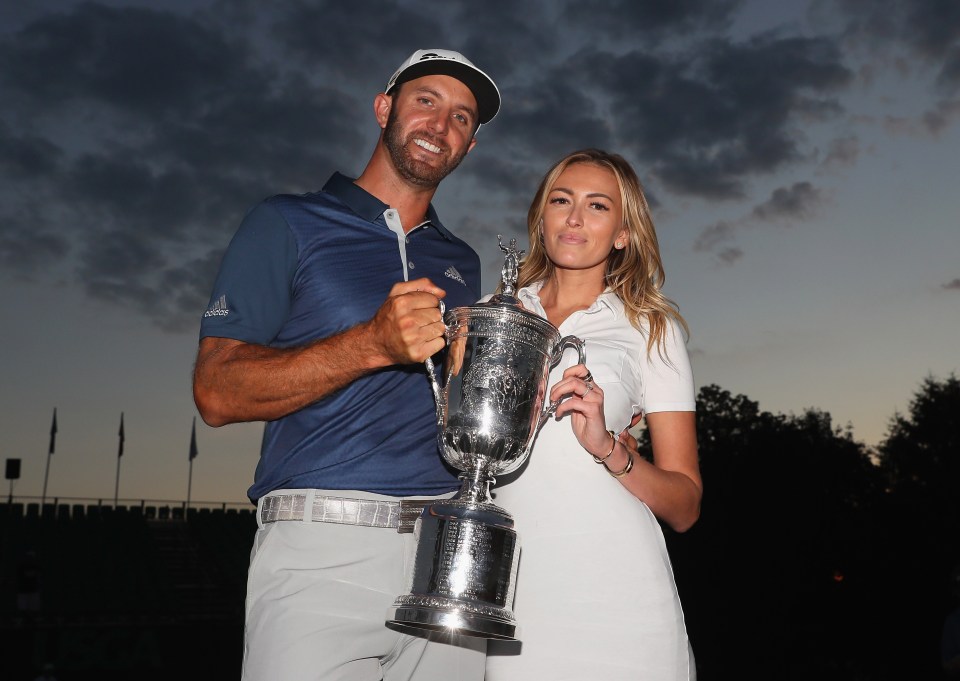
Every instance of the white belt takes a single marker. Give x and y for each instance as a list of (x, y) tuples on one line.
[(400, 515)]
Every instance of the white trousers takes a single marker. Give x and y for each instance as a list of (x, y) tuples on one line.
[(317, 600)]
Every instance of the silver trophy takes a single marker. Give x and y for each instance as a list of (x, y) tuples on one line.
[(490, 406)]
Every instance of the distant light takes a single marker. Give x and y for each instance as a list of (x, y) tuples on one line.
[(837, 576)]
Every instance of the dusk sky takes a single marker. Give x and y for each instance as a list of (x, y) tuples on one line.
[(801, 159)]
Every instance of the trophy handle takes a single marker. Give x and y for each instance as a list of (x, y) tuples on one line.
[(432, 375), (565, 342)]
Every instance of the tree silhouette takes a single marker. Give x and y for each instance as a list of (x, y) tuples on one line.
[(814, 557), (920, 515), (921, 455), (765, 575)]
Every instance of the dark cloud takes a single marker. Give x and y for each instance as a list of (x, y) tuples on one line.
[(508, 42), (929, 30), (283, 137), (713, 239), (26, 249), (350, 39), (541, 121), (791, 204), (710, 120), (729, 256), (186, 290), (941, 116), (715, 235), (797, 202), (161, 284), (136, 60), (545, 120), (121, 268), (949, 77), (141, 135), (152, 133), (122, 189), (843, 151), (628, 18), (931, 27), (952, 285), (27, 156)]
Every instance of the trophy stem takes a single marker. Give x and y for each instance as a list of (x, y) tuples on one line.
[(475, 485)]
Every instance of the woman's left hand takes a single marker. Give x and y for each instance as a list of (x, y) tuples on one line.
[(584, 403)]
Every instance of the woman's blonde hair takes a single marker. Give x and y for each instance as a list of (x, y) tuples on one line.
[(634, 273)]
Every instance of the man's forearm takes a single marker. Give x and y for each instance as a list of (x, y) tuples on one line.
[(236, 382)]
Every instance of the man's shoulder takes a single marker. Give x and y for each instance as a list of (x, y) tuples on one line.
[(301, 212), (467, 248), (306, 201)]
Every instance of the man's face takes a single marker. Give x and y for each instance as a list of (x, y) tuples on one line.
[(430, 128)]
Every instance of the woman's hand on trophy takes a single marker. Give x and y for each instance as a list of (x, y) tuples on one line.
[(408, 327), (584, 403)]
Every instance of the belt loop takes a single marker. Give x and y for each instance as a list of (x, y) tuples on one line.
[(260, 511), (308, 505)]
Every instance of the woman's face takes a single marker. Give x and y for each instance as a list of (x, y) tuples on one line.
[(583, 218)]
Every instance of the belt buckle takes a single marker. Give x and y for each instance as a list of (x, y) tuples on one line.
[(410, 510)]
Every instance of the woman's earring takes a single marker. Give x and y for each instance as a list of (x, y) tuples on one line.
[(618, 245)]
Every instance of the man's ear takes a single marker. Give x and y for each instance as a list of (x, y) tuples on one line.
[(382, 104), (473, 143)]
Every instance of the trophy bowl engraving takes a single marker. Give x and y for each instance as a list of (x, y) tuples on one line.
[(494, 384)]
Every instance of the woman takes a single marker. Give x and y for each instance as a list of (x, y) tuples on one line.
[(595, 596)]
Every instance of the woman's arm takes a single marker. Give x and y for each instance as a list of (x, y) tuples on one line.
[(671, 486)]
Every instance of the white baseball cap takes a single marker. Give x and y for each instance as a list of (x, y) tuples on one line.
[(449, 63)]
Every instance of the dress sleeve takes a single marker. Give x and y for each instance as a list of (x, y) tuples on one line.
[(252, 293), (667, 380)]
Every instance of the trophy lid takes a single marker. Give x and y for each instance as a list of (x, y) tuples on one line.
[(505, 305)]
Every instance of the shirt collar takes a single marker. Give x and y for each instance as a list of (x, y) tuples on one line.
[(611, 301), (368, 206), (530, 297)]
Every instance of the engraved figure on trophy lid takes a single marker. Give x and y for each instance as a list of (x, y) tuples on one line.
[(511, 265)]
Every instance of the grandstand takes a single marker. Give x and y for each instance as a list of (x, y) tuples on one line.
[(100, 591)]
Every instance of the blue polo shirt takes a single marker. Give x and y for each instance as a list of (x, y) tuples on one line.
[(305, 267)]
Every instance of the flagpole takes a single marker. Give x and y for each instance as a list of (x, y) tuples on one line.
[(116, 488), (192, 455), (53, 439), (46, 475)]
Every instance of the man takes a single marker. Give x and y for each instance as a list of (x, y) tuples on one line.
[(325, 307)]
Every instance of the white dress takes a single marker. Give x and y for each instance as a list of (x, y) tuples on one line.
[(595, 596)]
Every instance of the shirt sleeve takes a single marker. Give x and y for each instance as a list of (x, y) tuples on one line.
[(667, 380), (251, 295)]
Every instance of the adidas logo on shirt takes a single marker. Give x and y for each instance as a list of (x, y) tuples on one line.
[(218, 309), (453, 274)]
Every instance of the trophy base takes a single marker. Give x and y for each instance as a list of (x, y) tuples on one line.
[(431, 613), (464, 572)]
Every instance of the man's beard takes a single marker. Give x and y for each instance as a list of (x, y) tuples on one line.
[(412, 170)]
